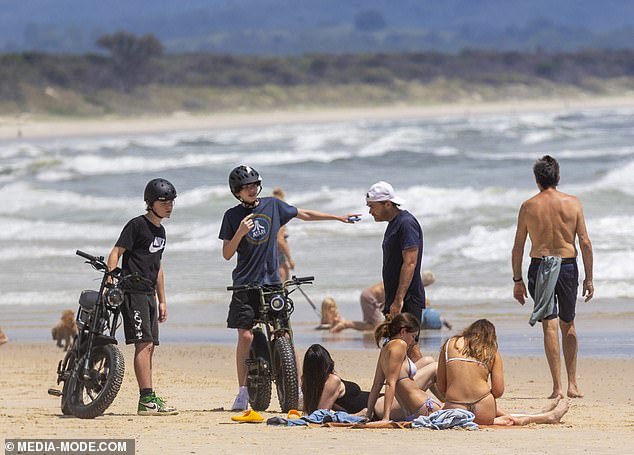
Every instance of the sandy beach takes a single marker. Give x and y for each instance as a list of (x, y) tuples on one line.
[(26, 127), (199, 380)]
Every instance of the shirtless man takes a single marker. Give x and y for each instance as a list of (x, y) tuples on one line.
[(552, 220)]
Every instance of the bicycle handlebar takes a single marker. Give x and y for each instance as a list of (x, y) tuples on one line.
[(295, 280), (90, 257)]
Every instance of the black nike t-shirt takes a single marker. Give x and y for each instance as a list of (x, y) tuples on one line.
[(144, 243)]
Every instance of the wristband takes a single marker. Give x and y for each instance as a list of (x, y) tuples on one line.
[(517, 280)]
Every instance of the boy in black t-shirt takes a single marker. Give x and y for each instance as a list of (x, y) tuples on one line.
[(141, 244)]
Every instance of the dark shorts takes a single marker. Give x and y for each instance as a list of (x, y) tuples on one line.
[(411, 308), (243, 309), (140, 319), (565, 289)]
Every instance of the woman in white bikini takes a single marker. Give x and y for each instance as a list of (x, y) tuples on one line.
[(465, 364), (399, 374)]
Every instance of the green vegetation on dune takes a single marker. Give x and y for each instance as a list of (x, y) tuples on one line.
[(147, 82)]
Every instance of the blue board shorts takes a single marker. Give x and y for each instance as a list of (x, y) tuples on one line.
[(565, 289)]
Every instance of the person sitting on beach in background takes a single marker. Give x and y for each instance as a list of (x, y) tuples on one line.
[(330, 316), (324, 389), (553, 220), (285, 260), (3, 337), (465, 364), (404, 380), (372, 302), (141, 245), (251, 230)]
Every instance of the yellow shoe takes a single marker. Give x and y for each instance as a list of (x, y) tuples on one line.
[(294, 414), (250, 416)]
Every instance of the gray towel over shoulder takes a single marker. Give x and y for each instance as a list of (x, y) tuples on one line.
[(545, 283)]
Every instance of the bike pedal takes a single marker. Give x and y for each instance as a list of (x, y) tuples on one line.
[(55, 392)]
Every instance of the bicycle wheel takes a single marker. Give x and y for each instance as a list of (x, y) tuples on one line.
[(93, 396), (259, 372), (285, 368)]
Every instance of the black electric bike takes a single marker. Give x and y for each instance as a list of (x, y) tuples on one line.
[(272, 354), (92, 370)]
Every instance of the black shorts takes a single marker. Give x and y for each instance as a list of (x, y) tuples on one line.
[(140, 319), (565, 289), (243, 309)]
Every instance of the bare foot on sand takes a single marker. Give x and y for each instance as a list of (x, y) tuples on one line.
[(556, 414), (556, 394), (574, 392), (552, 404)]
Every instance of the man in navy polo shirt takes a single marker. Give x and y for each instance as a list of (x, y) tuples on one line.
[(402, 255)]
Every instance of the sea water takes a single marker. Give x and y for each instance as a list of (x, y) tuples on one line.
[(463, 177)]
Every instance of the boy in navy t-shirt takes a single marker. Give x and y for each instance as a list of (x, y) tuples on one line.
[(250, 229), (141, 244)]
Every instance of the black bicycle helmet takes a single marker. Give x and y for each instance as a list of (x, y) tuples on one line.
[(242, 175), (159, 190)]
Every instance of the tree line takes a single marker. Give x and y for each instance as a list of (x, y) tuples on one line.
[(131, 61)]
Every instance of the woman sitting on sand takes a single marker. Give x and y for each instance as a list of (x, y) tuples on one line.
[(400, 376), (466, 362), (324, 389), (329, 314)]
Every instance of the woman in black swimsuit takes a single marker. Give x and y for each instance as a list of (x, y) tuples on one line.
[(323, 389)]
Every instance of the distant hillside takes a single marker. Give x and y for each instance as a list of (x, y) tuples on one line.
[(94, 85), (292, 27)]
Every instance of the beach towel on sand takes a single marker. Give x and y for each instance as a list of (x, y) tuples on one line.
[(445, 419), (547, 275), (439, 420), (320, 416)]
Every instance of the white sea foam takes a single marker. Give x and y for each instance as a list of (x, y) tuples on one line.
[(22, 196), (39, 298), (16, 229), (619, 179)]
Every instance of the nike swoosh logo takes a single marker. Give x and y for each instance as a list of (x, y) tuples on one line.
[(150, 405), (157, 245)]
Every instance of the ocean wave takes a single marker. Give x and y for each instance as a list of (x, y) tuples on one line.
[(619, 179), (39, 298), (21, 196), (444, 295), (16, 229)]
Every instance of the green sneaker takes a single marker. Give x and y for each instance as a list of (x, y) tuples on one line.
[(152, 405)]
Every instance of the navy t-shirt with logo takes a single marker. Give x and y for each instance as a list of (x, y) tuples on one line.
[(257, 251), (144, 244), (402, 233)]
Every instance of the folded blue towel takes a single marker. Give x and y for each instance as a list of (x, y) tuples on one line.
[(319, 416)]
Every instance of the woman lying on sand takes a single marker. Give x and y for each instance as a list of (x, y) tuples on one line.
[(324, 389), (401, 377), (466, 362)]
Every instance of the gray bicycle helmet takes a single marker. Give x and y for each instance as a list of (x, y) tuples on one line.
[(242, 175), (159, 190)]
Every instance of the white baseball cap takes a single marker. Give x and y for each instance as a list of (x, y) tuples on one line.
[(382, 191)]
